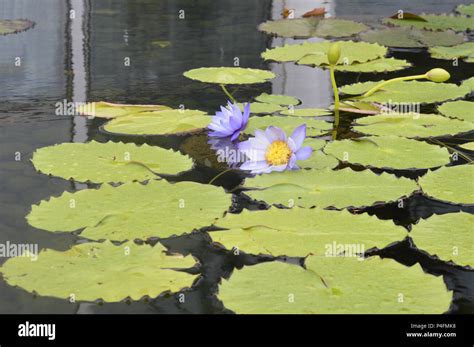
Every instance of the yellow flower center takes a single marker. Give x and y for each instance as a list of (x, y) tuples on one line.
[(278, 153)]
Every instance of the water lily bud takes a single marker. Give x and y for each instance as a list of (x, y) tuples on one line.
[(334, 53), (438, 75)]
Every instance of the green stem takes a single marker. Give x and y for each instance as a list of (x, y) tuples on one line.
[(398, 79), (228, 94), (336, 100), (219, 175)]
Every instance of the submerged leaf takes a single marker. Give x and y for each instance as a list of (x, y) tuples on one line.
[(314, 127), (312, 27), (277, 99), (412, 37), (408, 91), (436, 22), (13, 26), (299, 232), (411, 125), (168, 122), (229, 75), (92, 271), (324, 188), (132, 210), (450, 184), (109, 162), (104, 109), (459, 109), (389, 152), (334, 285), (447, 236)]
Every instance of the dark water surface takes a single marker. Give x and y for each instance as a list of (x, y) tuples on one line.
[(213, 33)]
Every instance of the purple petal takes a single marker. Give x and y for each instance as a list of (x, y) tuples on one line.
[(278, 168), (235, 136), (299, 134), (254, 165), (304, 153), (246, 114), (275, 134), (292, 162)]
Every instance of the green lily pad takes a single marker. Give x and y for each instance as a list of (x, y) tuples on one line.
[(260, 107), (229, 75), (306, 112), (436, 22), (277, 99), (447, 236), (450, 184), (14, 26), (377, 65), (464, 50), (109, 162), (104, 109), (132, 210), (412, 37), (318, 159), (312, 27), (315, 53), (469, 146), (460, 109), (411, 125), (334, 285), (167, 122), (389, 152), (92, 271), (466, 9), (314, 127), (299, 232), (469, 83), (325, 188), (408, 91)]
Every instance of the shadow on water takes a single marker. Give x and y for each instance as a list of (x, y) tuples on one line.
[(161, 47)]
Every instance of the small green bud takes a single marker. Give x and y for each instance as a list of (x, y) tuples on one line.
[(438, 75), (334, 53)]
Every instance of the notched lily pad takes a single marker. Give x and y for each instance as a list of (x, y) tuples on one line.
[(466, 9), (314, 127), (469, 83), (263, 107), (312, 27), (408, 92), (450, 184), (132, 210), (277, 99), (14, 26), (377, 65), (306, 112), (412, 37), (436, 22), (109, 162), (325, 188), (447, 236), (468, 146), (102, 109), (334, 285), (167, 122), (92, 271), (460, 109), (229, 75), (462, 51), (411, 125), (298, 232)]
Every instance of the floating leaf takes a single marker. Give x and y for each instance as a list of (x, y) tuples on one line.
[(260, 107), (450, 184), (377, 65), (408, 15), (318, 160), (104, 109), (314, 127), (411, 37), (464, 50), (277, 99), (315, 53), (299, 232), (389, 152), (408, 91), (459, 109), (469, 146), (436, 22), (469, 83), (108, 162), (229, 75), (315, 12), (312, 27), (362, 107), (324, 188), (334, 285), (14, 26), (168, 122), (91, 271), (447, 236), (412, 125), (306, 112), (132, 210), (466, 9)]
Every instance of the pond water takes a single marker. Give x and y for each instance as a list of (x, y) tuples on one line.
[(55, 67)]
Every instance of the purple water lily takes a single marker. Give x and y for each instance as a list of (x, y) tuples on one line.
[(229, 122), (271, 150)]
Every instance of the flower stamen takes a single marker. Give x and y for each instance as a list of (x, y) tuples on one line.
[(278, 153)]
